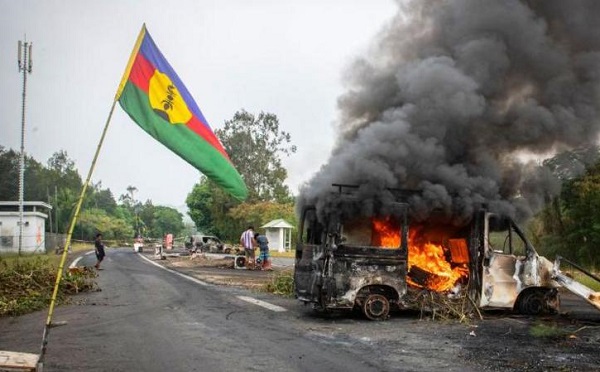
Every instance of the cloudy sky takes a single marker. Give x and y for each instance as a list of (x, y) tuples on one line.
[(284, 57)]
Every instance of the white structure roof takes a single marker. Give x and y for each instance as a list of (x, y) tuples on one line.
[(279, 223)]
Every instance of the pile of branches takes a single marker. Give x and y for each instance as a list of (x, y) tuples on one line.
[(26, 285), (443, 306)]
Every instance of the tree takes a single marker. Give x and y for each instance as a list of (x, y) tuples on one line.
[(99, 198), (35, 177), (581, 200), (92, 221), (9, 168), (255, 146), (208, 205), (167, 220), (570, 224), (199, 202), (145, 218), (63, 172)]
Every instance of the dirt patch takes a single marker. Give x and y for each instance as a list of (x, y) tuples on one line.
[(221, 271), (506, 342), (200, 261)]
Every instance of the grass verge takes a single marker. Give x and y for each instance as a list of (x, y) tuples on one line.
[(587, 281), (288, 254), (547, 331), (27, 283)]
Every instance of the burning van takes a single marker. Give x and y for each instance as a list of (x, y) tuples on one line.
[(377, 262)]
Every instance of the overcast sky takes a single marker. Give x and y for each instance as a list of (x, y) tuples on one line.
[(283, 57)]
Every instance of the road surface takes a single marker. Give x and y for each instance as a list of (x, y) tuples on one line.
[(149, 319)]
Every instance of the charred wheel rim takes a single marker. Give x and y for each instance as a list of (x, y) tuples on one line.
[(532, 303), (376, 307)]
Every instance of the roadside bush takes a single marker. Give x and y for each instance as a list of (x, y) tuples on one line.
[(26, 285), (282, 284)]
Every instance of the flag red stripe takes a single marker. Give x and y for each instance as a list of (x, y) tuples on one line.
[(141, 72), (203, 131)]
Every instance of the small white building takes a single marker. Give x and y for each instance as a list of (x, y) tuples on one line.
[(34, 227), (279, 233)]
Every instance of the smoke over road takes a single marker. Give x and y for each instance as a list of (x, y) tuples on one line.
[(454, 91)]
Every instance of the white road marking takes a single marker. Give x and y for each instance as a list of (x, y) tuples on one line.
[(264, 304), (197, 281), (74, 263)]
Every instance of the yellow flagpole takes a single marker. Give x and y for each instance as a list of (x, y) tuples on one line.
[(63, 258), (70, 234)]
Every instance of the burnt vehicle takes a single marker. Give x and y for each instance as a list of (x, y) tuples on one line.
[(377, 263), (206, 243)]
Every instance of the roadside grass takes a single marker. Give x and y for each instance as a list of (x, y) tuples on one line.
[(541, 330), (27, 282), (584, 279), (51, 256), (282, 284), (288, 254)]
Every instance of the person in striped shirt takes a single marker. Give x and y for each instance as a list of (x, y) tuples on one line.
[(249, 243)]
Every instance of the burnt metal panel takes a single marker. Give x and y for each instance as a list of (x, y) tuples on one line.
[(350, 269)]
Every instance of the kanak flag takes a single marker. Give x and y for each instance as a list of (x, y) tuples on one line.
[(155, 98)]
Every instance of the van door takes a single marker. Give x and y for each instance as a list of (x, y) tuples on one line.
[(506, 252), (310, 257)]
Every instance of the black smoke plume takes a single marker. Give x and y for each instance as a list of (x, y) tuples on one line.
[(451, 96)]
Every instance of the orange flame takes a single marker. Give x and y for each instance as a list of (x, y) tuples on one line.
[(430, 257), (386, 232)]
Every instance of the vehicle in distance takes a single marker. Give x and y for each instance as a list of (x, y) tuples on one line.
[(206, 243)]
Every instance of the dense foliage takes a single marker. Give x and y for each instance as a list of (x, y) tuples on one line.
[(59, 184), (570, 223)]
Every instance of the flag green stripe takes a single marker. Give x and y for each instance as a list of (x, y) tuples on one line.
[(183, 141)]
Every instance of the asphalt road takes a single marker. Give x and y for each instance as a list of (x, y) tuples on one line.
[(146, 318), (149, 319)]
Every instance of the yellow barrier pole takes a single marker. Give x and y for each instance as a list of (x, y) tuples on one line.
[(70, 234)]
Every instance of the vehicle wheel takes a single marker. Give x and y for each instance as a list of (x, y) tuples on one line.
[(376, 307), (532, 303)]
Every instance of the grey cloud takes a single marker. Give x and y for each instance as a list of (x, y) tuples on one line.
[(453, 92)]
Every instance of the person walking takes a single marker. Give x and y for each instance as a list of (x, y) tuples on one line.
[(99, 246), (263, 245), (247, 241)]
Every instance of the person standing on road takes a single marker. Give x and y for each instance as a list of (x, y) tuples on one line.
[(99, 250), (263, 245), (169, 241), (247, 241)]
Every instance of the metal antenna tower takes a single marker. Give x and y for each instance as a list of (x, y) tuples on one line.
[(25, 66)]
